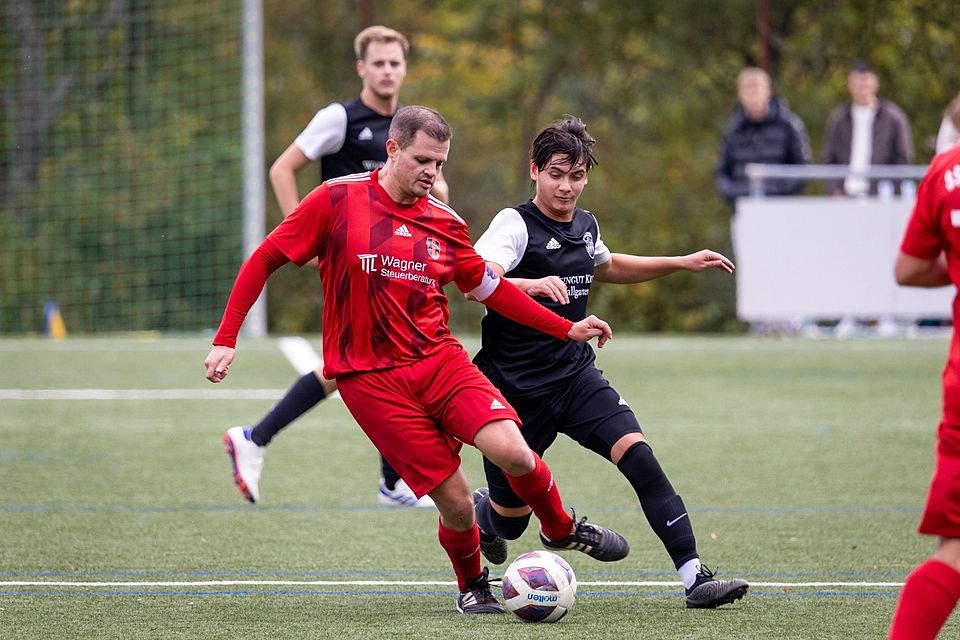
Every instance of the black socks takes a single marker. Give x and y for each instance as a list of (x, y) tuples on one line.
[(661, 505), (492, 523), (300, 398), (390, 476)]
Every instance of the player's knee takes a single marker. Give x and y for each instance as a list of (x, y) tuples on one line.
[(517, 461), (500, 441), (625, 444), (329, 386), (456, 513), (949, 552)]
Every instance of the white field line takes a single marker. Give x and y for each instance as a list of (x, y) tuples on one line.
[(141, 394), (302, 356), (409, 583), (297, 350)]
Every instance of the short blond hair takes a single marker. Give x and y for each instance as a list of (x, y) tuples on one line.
[(378, 33), (749, 74)]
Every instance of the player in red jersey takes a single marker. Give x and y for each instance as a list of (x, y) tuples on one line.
[(344, 138), (386, 249), (930, 257)]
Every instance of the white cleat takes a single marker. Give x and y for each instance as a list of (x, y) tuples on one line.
[(247, 460), (402, 496)]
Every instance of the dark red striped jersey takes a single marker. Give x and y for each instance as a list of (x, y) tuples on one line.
[(383, 267)]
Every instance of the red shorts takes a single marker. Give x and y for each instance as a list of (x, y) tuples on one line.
[(941, 515), (951, 382), (419, 415)]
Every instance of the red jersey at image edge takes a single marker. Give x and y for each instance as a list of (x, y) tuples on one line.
[(934, 225)]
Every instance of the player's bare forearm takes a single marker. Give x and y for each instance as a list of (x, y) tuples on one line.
[(629, 269), (910, 271), (285, 189), (283, 178)]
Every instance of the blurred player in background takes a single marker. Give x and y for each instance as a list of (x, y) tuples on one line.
[(386, 249), (552, 250), (346, 138), (930, 257)]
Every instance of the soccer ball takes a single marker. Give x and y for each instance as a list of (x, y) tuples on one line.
[(539, 586)]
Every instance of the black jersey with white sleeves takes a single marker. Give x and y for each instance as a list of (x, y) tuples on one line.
[(528, 244), (347, 138)]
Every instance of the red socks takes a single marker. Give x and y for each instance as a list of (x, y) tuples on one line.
[(538, 490), (463, 548), (926, 601)]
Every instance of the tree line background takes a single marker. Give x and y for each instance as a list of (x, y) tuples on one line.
[(654, 81)]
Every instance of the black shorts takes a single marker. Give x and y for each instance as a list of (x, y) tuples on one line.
[(588, 410)]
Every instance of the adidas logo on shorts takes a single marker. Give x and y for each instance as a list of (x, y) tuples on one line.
[(496, 404)]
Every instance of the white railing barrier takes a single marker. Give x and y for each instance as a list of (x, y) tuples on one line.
[(757, 173), (824, 257)]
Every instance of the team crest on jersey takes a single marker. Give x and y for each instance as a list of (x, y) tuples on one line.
[(433, 248), (588, 243)]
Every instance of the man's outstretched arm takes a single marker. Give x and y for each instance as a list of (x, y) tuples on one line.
[(250, 281), (506, 299)]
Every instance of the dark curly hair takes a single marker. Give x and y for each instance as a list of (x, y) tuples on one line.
[(569, 138)]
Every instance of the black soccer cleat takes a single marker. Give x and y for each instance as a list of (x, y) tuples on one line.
[(493, 547), (600, 543), (709, 593), (477, 597)]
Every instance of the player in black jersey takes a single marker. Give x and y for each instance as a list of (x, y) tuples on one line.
[(346, 138), (553, 250)]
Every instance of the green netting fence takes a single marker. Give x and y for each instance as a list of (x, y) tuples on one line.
[(120, 163)]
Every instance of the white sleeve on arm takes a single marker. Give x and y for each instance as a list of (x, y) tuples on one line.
[(600, 252), (487, 286), (505, 240), (326, 132)]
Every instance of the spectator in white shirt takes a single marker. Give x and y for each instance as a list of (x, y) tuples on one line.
[(866, 131)]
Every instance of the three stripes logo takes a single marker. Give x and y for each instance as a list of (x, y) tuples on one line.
[(403, 232)]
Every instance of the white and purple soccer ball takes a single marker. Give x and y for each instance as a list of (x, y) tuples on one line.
[(539, 586)]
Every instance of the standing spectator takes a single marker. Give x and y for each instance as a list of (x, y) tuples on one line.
[(865, 131), (949, 133), (762, 129), (929, 258), (345, 138), (385, 250)]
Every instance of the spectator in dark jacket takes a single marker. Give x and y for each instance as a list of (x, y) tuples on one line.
[(865, 131), (762, 129)]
